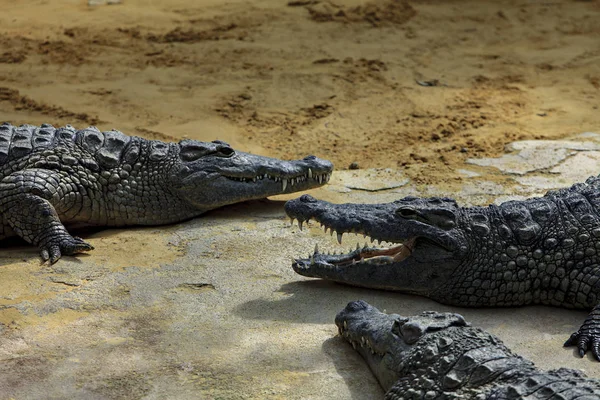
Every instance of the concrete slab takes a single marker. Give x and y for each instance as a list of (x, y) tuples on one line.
[(526, 160), (211, 309), (369, 180)]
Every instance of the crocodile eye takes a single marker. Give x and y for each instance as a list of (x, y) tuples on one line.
[(407, 213), (412, 331), (192, 152), (225, 151), (397, 325)]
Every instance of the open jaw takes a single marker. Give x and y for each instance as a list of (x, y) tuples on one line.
[(364, 255), (418, 258), (375, 256)]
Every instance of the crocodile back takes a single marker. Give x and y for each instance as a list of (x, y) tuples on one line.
[(90, 147)]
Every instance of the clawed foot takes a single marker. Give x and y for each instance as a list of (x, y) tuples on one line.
[(586, 338), (65, 246)]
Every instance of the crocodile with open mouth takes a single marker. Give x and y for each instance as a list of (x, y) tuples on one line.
[(542, 250), (51, 177), (439, 356)]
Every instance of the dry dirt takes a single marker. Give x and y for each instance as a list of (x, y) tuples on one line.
[(419, 86)]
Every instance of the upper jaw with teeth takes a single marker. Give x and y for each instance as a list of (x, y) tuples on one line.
[(395, 253), (355, 341), (310, 177)]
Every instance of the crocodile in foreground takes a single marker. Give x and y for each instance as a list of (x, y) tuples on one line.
[(538, 251), (52, 177), (439, 356)]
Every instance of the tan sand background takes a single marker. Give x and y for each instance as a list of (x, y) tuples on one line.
[(287, 78)]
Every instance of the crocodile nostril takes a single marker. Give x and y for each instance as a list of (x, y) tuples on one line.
[(357, 305), (309, 158), (306, 198)]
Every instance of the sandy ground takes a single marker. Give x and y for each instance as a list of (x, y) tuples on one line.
[(418, 86), (337, 79)]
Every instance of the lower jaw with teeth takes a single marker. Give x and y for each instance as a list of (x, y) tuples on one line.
[(366, 254)]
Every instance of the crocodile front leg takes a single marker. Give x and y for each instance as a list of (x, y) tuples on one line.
[(588, 336), (27, 204)]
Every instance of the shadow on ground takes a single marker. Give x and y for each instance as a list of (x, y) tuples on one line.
[(361, 383)]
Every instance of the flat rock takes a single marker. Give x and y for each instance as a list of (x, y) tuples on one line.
[(370, 180), (526, 160), (554, 144), (468, 173), (580, 164)]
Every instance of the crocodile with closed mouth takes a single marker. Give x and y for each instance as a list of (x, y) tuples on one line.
[(56, 177)]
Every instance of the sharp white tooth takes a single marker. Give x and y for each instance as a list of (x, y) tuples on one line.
[(363, 340), (312, 259), (300, 224), (357, 245), (345, 324), (354, 345), (316, 249), (284, 184), (339, 237), (320, 179)]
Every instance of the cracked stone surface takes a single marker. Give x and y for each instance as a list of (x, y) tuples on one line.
[(211, 308), (538, 155)]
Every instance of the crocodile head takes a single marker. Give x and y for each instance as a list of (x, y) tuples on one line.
[(211, 175), (428, 243), (389, 343)]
